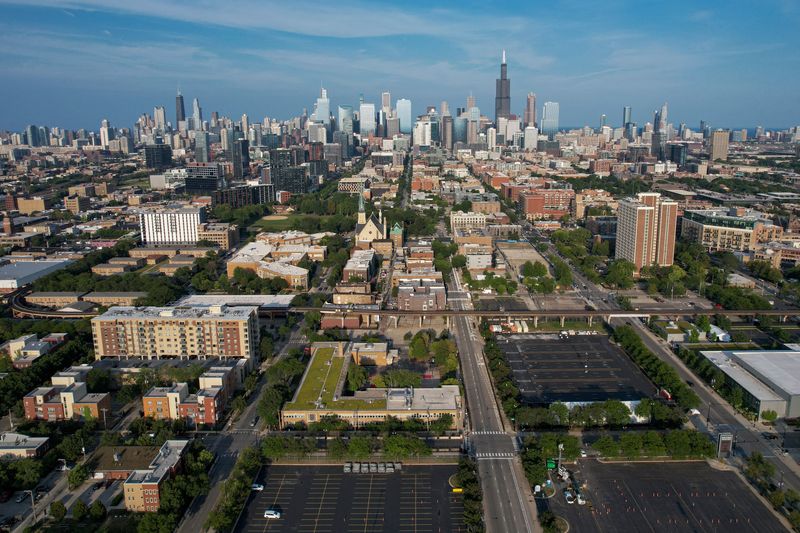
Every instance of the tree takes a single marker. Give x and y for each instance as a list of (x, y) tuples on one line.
[(402, 447), (58, 511), (356, 377), (77, 476), (703, 323), (97, 511), (607, 446), (360, 447), (458, 261), (79, 510), (620, 274), (401, 378)]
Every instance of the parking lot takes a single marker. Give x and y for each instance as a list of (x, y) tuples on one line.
[(579, 368), (317, 499), (657, 497)]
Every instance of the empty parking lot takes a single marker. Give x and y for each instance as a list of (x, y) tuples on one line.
[(317, 499), (580, 368), (662, 497)]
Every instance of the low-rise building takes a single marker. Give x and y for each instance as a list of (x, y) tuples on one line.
[(421, 296), (226, 236), (16, 275), (18, 446), (142, 489), (361, 266), (204, 407), (77, 204), (65, 402), (460, 220)]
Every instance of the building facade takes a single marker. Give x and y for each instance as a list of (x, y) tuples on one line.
[(646, 230)]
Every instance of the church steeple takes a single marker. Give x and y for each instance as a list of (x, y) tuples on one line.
[(362, 215)]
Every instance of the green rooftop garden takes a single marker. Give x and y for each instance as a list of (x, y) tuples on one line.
[(320, 384)]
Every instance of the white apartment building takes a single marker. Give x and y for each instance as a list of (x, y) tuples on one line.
[(171, 226)]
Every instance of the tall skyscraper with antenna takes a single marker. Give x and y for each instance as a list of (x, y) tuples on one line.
[(180, 111), (502, 99)]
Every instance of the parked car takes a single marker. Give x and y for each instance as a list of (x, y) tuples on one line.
[(569, 496), (272, 513), (257, 486)]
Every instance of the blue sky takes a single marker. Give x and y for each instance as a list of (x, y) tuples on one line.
[(73, 62)]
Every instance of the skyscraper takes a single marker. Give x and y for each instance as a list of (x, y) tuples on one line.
[(366, 117), (180, 111), (530, 111), (386, 102), (201, 147), (106, 133), (550, 119), (322, 109), (346, 118), (160, 118), (241, 158), (32, 134), (403, 109), (719, 145), (646, 230), (197, 115), (502, 99), (660, 119), (626, 116)]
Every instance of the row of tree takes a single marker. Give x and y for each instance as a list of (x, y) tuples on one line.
[(659, 372), (394, 447), (678, 444)]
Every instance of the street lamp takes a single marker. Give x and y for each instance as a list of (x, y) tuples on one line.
[(33, 504)]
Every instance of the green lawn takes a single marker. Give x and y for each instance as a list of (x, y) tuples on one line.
[(322, 375), (276, 225)]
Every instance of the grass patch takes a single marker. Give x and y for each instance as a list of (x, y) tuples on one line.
[(320, 383), (276, 225)]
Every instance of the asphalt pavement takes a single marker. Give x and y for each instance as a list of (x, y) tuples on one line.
[(227, 445), (507, 497)]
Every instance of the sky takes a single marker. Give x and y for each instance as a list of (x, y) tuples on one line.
[(71, 63)]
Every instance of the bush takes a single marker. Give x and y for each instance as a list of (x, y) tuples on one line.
[(58, 511)]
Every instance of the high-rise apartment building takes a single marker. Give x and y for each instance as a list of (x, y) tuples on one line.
[(171, 226), (530, 111), (550, 119), (185, 332), (322, 109), (646, 230), (502, 99), (157, 156), (719, 145), (626, 116)]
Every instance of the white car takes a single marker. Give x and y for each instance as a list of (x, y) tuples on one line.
[(257, 486), (584, 454), (272, 513)]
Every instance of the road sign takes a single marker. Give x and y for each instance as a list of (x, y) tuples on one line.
[(551, 463)]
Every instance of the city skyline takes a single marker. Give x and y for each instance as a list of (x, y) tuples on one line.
[(87, 61)]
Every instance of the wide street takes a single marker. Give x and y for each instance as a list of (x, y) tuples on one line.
[(507, 497), (227, 445), (747, 436)]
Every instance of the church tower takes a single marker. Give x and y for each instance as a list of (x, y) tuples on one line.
[(362, 215)]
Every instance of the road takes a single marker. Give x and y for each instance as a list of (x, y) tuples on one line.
[(507, 498), (227, 445)]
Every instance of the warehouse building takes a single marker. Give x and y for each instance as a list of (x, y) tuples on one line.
[(768, 379)]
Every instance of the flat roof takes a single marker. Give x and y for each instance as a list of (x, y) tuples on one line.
[(261, 300), (22, 269), (252, 252), (186, 312), (740, 375), (17, 441), (127, 457), (779, 368)]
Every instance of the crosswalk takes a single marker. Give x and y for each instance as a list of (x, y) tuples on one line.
[(489, 433), (495, 455)]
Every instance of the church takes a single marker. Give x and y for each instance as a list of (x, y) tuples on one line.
[(374, 228)]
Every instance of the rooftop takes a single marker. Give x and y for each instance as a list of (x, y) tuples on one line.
[(740, 375), (264, 301), (17, 441), (165, 459), (186, 312), (252, 252)]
